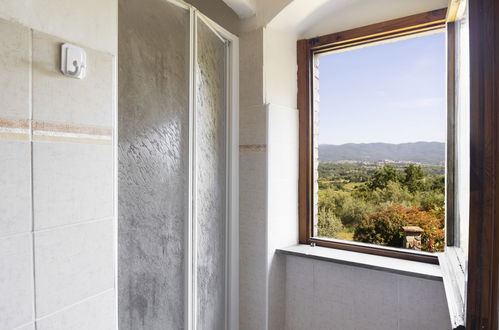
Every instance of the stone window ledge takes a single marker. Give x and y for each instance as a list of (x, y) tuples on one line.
[(357, 259)]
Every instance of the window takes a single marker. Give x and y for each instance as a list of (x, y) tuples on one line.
[(392, 194)]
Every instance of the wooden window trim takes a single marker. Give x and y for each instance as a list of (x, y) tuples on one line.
[(483, 258), (306, 50)]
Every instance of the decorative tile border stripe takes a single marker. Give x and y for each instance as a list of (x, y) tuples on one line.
[(246, 148), (71, 129), (59, 138), (14, 129), (14, 123), (43, 131)]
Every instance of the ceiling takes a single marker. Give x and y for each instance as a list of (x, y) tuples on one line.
[(310, 18)]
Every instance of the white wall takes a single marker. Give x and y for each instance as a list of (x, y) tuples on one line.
[(282, 226), (57, 225)]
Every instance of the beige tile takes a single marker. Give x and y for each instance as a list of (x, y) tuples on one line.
[(334, 282), (252, 229), (72, 182), (375, 293), (332, 315), (410, 324), (96, 313), (16, 281), (15, 192), (14, 66), (61, 99), (253, 125), (423, 300), (373, 320), (251, 70), (299, 293), (72, 263)]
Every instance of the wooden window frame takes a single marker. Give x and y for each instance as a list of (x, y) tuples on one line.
[(306, 50), (483, 258)]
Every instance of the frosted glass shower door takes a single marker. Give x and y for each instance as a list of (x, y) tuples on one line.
[(153, 155), (177, 169), (211, 178)]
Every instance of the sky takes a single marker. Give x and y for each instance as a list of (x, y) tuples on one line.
[(392, 92)]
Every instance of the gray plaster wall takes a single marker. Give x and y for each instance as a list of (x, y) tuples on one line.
[(153, 163)]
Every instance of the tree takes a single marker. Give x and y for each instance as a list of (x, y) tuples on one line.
[(329, 225), (437, 184), (382, 227), (413, 178), (394, 193), (344, 205), (381, 178)]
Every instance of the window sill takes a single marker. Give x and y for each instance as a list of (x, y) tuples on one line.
[(357, 259), (453, 270)]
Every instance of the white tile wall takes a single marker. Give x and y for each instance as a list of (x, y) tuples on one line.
[(252, 228), (72, 263), (95, 313), (14, 69), (15, 192), (72, 182), (299, 295), (16, 281), (325, 295), (60, 99), (71, 273), (422, 300)]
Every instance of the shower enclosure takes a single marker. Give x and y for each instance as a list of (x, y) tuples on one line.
[(177, 168)]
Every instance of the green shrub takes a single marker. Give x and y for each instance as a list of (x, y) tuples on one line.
[(329, 225), (382, 228)]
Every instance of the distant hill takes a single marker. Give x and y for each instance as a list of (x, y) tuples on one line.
[(421, 152)]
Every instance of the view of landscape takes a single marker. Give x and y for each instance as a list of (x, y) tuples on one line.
[(370, 201), (378, 183)]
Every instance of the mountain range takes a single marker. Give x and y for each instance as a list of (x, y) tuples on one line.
[(420, 152)]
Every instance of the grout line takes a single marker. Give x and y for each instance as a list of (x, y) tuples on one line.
[(16, 234), (115, 189), (30, 133), (24, 325), (83, 222), (74, 304)]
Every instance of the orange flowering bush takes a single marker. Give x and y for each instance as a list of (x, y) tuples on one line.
[(385, 227)]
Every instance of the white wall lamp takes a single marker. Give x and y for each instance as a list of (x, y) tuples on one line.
[(73, 61)]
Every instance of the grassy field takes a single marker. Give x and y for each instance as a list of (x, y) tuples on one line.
[(346, 234)]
